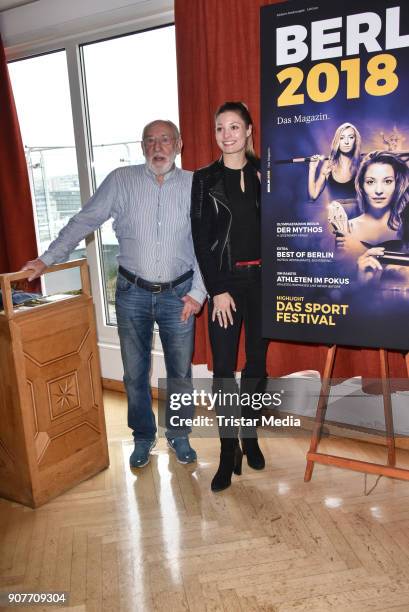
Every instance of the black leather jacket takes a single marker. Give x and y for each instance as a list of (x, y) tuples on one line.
[(211, 222)]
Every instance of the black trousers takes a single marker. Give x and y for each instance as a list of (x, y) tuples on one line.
[(246, 293)]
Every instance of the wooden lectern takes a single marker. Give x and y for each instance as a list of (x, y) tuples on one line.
[(52, 432)]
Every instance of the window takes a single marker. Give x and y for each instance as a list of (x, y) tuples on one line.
[(108, 90), (42, 96), (130, 81)]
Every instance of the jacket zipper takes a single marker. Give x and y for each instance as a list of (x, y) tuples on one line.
[(215, 200)]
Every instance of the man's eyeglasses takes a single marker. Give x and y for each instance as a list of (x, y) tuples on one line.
[(150, 141)]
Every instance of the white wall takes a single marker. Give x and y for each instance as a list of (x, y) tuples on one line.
[(38, 25)]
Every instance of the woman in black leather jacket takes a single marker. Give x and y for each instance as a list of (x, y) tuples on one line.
[(226, 234)]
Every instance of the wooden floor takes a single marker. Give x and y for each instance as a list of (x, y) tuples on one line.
[(160, 540)]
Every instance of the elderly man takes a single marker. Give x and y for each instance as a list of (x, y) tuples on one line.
[(158, 276)]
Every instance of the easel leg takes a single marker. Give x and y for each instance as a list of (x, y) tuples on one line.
[(387, 406), (321, 409)]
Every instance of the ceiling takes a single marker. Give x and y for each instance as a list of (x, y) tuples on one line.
[(8, 4)]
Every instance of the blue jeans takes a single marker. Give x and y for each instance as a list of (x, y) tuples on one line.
[(136, 310)]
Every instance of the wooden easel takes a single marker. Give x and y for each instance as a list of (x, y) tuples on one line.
[(355, 464)]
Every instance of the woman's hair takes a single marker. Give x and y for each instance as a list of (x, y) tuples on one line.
[(400, 197), (356, 153), (241, 109)]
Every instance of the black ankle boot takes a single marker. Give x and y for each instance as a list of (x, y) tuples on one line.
[(255, 458), (230, 461)]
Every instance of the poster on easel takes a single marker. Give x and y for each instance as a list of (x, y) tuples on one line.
[(335, 174)]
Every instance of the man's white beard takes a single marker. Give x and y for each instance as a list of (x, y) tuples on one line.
[(164, 169)]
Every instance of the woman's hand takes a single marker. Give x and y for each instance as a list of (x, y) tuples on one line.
[(369, 268), (349, 245), (315, 160), (223, 304)]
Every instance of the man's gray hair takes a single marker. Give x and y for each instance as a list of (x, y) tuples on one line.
[(173, 127)]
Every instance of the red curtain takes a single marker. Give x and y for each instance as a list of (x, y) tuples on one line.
[(218, 54), (17, 232)]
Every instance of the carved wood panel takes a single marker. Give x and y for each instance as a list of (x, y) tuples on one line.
[(59, 364)]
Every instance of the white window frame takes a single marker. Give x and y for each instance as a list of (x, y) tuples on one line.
[(108, 340)]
